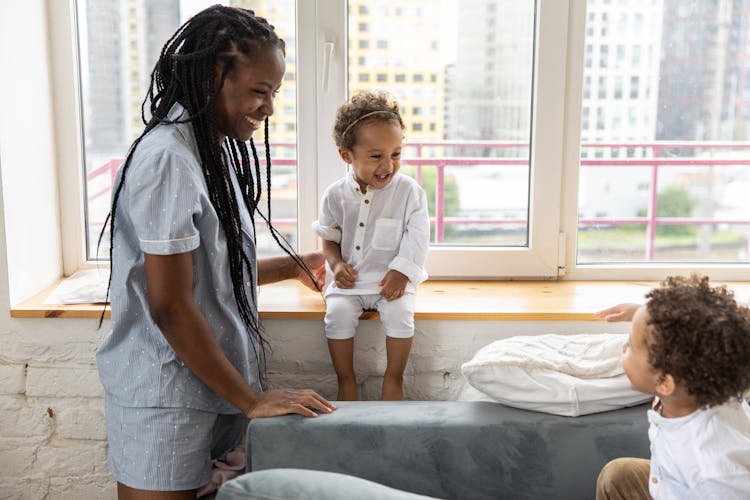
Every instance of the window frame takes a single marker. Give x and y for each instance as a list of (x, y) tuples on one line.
[(63, 47), (569, 207), (540, 258), (322, 86)]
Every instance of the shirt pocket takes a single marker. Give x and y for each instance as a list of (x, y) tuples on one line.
[(387, 235)]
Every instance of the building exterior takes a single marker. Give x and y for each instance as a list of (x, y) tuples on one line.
[(620, 104), (704, 90), (409, 67), (492, 90)]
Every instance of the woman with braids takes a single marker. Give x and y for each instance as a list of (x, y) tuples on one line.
[(182, 367)]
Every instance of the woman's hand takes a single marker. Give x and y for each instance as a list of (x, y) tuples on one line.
[(344, 275), (393, 285), (620, 312), (316, 263), (286, 401)]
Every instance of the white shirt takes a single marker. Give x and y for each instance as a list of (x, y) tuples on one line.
[(704, 455), (384, 229)]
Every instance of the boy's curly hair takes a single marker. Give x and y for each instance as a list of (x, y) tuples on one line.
[(363, 107), (700, 336)]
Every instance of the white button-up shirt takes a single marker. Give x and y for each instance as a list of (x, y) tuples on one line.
[(704, 455), (383, 229)]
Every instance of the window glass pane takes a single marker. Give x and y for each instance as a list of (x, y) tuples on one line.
[(665, 167), (464, 91), (120, 41)]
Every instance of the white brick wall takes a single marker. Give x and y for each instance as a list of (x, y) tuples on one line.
[(52, 437), (12, 379)]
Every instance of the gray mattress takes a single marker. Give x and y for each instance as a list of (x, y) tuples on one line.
[(451, 449)]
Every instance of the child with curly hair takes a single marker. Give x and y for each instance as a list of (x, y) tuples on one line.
[(690, 346), (376, 233)]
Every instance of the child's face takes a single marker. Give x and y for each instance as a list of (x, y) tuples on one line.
[(376, 155), (635, 355)]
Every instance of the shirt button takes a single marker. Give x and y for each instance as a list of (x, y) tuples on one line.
[(654, 480), (357, 247), (367, 201), (361, 224)]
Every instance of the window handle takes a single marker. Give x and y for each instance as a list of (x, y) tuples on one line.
[(327, 55)]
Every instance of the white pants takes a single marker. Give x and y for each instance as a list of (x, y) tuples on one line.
[(343, 312)]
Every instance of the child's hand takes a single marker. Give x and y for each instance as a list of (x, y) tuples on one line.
[(620, 312), (393, 285), (344, 275)]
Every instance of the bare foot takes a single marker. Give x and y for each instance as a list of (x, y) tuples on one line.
[(393, 390), (348, 391)]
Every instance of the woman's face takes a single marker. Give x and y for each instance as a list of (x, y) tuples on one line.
[(246, 98)]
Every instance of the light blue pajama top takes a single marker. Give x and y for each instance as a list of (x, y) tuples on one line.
[(165, 209)]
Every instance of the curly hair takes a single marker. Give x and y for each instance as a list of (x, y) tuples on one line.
[(700, 336), (363, 107)]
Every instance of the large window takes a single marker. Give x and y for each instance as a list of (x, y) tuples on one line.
[(666, 176), (465, 94), (463, 74), (593, 139)]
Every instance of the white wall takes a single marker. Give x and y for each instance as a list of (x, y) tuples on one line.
[(27, 152)]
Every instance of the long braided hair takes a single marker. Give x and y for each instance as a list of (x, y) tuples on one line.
[(186, 73)]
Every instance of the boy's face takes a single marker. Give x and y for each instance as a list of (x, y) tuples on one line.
[(635, 355), (376, 156)]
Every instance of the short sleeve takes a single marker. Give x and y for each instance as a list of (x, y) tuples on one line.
[(164, 202)]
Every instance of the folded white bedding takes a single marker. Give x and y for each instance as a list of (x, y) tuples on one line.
[(560, 374)]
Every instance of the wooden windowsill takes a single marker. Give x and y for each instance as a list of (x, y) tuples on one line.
[(436, 300)]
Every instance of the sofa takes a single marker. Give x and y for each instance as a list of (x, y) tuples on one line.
[(452, 449)]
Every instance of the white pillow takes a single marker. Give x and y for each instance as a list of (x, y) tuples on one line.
[(566, 375)]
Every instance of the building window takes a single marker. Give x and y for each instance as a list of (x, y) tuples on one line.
[(634, 87)]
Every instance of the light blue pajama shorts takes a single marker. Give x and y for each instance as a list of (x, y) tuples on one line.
[(167, 449)]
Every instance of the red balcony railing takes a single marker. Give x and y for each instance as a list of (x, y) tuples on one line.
[(643, 154)]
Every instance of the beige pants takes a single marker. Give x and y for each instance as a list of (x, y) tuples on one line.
[(624, 479)]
